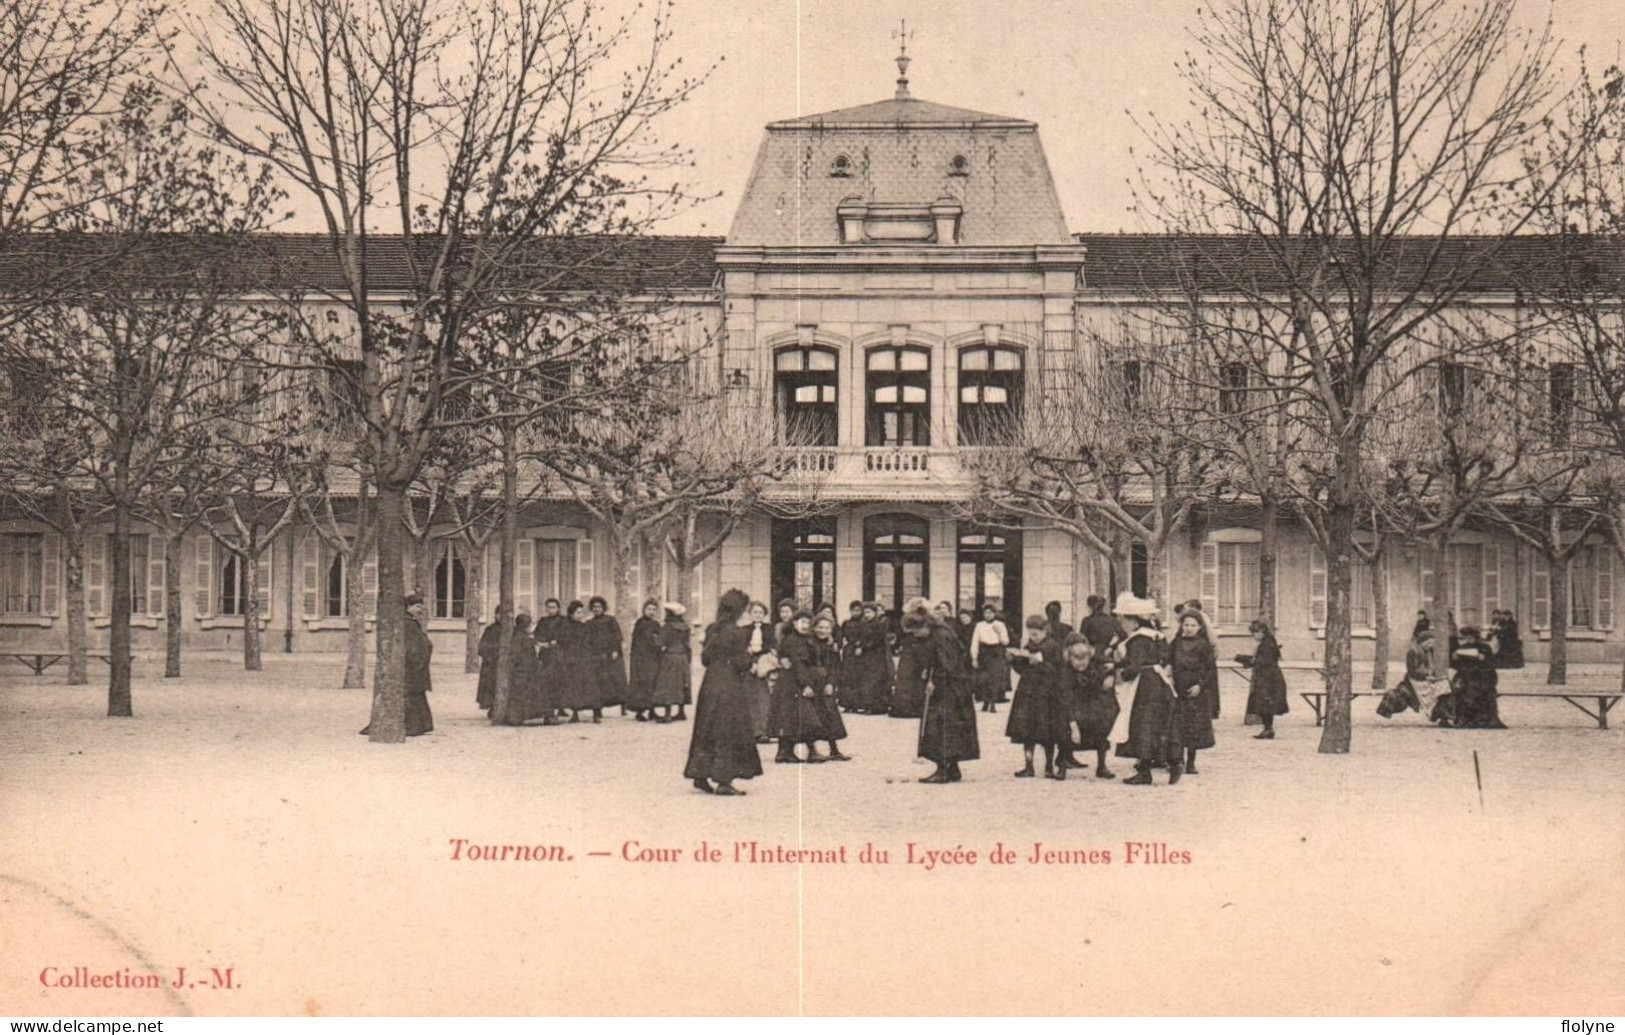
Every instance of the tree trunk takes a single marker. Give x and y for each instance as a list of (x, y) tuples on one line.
[(1557, 651), (475, 568), (118, 685), (502, 711), (73, 562), (172, 605), (622, 605), (249, 558), (1379, 615), (355, 633), (388, 725), (1441, 616), (1269, 543), (1337, 733)]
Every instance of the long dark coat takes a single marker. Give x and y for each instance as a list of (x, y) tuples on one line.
[(606, 661), (419, 651), (1193, 668), (672, 673), (1474, 693), (579, 688), (1508, 646), (1153, 727), (485, 696), (1100, 630), (524, 679), (827, 655), (1041, 711), (795, 713), (644, 656), (866, 672), (723, 746), (549, 660), (761, 689), (908, 685), (1268, 693), (948, 725), (1094, 704)]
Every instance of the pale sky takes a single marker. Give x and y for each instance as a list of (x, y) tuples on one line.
[(1073, 66)]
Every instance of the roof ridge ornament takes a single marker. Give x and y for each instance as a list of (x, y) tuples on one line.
[(902, 35)]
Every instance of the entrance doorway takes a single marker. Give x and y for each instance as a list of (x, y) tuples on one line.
[(803, 562), (990, 571), (896, 559)]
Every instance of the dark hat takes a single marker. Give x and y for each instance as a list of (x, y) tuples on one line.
[(413, 598)]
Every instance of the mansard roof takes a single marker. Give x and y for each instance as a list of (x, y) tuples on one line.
[(1131, 263), (896, 112), (274, 261)]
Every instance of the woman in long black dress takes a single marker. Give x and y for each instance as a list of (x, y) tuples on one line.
[(948, 723), (546, 635), (1195, 682), (761, 642), (866, 673), (1476, 691), (1093, 696), (1153, 725), (723, 747), (607, 663), (672, 672), (579, 686), (827, 655), (795, 717), (645, 660), (1039, 716), (989, 662), (524, 675), (485, 694), (1267, 698), (908, 684)]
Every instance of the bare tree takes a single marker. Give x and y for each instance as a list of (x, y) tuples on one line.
[(471, 130), (1338, 155)]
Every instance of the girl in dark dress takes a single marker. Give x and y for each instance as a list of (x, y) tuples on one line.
[(1195, 682), (1040, 714), (645, 659), (1508, 643), (485, 695), (723, 747), (606, 662), (966, 628), (827, 655), (1267, 698), (795, 717), (1475, 691), (866, 682), (760, 641), (580, 689), (908, 683), (785, 618), (1153, 725), (524, 675), (546, 635), (672, 672), (948, 723), (990, 640), (1093, 696)]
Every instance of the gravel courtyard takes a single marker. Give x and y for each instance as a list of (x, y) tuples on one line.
[(238, 821)]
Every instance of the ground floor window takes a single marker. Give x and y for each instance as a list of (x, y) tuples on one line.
[(233, 591), (1362, 593), (22, 574), (1590, 591), (896, 567), (1474, 581), (989, 562), (803, 562), (450, 583), (337, 597)]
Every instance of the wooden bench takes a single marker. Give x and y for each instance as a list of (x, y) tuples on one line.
[(39, 661), (1316, 700)]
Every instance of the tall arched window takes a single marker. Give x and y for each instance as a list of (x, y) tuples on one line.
[(896, 552), (337, 597), (899, 397), (990, 382), (450, 583), (806, 386)]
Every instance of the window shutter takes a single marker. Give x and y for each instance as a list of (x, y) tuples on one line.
[(1492, 579), (489, 577), (155, 575), (1425, 558), (584, 580), (262, 569), (1540, 610), (203, 576), (369, 585), (1210, 580), (524, 578), (50, 574), (1604, 616), (1317, 587), (96, 575), (310, 567)]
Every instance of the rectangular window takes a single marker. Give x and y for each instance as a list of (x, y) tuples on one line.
[(1133, 385), (233, 584), (1233, 382), (1238, 583), (29, 384), (140, 547), (555, 570), (1583, 587), (1560, 391), (450, 583), (22, 564)]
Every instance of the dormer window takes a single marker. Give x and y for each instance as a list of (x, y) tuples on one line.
[(959, 166), (841, 167)]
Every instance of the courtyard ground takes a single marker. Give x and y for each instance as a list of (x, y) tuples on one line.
[(238, 821)]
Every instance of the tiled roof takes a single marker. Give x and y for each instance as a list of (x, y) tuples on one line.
[(1138, 262), (900, 111), (624, 264)]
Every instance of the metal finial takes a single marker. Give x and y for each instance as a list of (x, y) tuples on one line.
[(902, 35)]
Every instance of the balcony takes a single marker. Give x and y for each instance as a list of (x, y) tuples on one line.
[(807, 460), (912, 460)]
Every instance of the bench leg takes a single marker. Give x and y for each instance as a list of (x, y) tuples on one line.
[(1603, 704), (1314, 703)]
